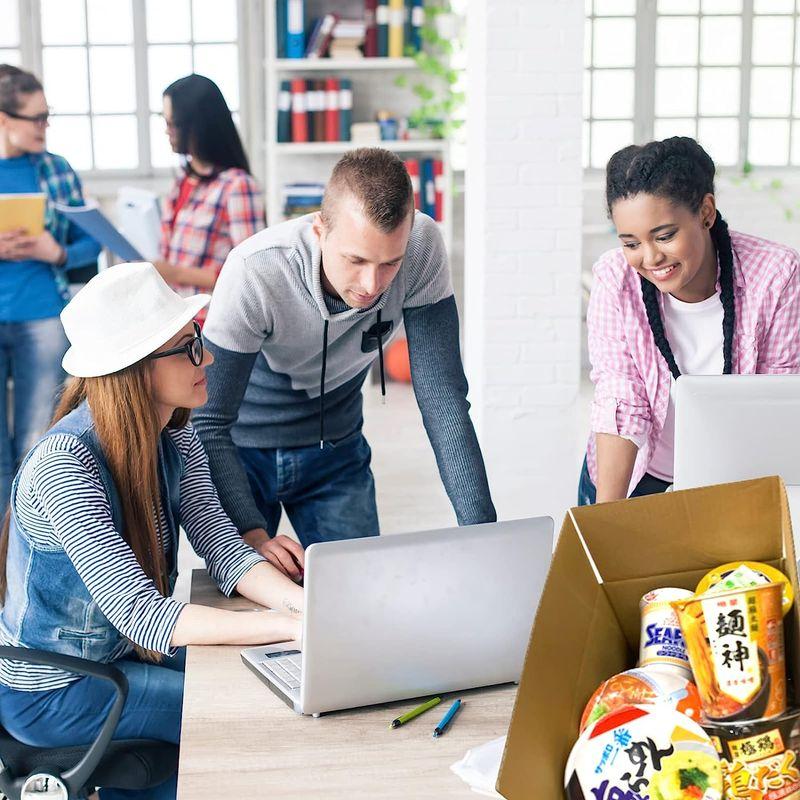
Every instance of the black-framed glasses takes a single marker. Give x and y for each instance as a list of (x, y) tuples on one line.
[(37, 119), (193, 349)]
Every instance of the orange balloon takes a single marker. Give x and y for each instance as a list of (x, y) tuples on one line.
[(396, 361)]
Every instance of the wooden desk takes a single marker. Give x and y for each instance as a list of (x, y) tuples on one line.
[(240, 741)]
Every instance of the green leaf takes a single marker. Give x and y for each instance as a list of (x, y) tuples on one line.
[(693, 777), (747, 168), (776, 183), (789, 214), (401, 81)]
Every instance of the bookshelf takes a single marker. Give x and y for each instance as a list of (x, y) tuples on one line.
[(373, 90)]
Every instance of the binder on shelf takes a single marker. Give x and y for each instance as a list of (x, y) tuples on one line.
[(428, 189), (412, 165), (299, 107), (371, 34), (438, 183), (331, 110), (409, 7), (382, 22), (281, 14), (345, 108), (417, 21), (285, 112), (320, 37), (397, 13), (319, 110), (295, 29), (311, 102)]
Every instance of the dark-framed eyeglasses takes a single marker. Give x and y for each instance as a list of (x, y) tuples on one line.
[(40, 120), (193, 349)]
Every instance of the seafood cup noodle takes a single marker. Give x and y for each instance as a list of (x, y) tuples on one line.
[(662, 640)]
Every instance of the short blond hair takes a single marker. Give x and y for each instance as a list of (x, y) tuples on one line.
[(379, 181)]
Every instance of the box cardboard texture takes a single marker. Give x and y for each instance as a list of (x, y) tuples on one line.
[(587, 626)]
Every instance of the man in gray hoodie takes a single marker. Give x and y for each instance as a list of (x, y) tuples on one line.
[(300, 312)]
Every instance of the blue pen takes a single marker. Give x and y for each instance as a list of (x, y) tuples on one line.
[(447, 719)]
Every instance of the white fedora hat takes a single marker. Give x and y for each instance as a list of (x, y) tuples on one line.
[(122, 315)]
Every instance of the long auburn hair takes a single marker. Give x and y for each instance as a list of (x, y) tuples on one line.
[(128, 430)]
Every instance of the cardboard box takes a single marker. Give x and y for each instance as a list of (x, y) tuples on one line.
[(587, 626)]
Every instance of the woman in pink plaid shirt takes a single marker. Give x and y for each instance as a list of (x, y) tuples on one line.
[(216, 204), (682, 294)]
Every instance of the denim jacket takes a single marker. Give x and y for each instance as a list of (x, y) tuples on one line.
[(47, 604)]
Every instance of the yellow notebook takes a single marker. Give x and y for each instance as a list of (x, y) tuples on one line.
[(24, 211)]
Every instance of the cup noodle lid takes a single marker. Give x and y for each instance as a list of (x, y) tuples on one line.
[(642, 752)]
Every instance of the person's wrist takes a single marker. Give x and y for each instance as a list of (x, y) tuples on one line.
[(256, 538)]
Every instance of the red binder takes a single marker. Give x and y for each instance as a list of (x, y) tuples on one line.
[(299, 108), (412, 165), (331, 110), (438, 182), (371, 36)]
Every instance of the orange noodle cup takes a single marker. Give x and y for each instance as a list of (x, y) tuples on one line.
[(734, 641)]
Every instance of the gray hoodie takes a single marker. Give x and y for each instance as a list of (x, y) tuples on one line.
[(291, 361)]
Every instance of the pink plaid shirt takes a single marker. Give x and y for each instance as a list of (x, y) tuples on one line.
[(631, 378), (218, 214)]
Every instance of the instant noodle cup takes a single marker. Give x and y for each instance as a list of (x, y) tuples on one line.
[(640, 752), (646, 685), (661, 641), (759, 759), (735, 644), (743, 574)]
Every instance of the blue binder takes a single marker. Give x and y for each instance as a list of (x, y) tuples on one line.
[(281, 13), (345, 108), (295, 29)]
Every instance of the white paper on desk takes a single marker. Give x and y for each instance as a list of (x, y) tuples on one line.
[(480, 766)]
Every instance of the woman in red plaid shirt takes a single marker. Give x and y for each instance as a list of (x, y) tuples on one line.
[(682, 295), (216, 204)]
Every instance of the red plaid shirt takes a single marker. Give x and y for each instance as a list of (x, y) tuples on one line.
[(218, 214), (631, 378)]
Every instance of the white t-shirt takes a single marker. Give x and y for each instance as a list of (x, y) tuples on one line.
[(694, 332)]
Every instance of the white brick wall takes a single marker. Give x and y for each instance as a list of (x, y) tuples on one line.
[(523, 248)]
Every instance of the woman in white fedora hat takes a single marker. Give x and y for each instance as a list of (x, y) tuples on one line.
[(88, 552)]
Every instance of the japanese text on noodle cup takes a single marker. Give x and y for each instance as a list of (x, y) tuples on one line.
[(734, 641)]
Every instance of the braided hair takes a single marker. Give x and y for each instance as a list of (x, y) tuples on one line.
[(679, 170)]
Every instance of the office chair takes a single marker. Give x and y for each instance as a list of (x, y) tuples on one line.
[(71, 773)]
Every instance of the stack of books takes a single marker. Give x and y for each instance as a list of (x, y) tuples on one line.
[(319, 110), (302, 198), (390, 28), (348, 39), (427, 178)]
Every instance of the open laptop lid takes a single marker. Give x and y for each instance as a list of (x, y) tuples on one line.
[(404, 615), (735, 427)]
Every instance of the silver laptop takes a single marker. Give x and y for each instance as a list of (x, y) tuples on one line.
[(406, 615), (735, 427)]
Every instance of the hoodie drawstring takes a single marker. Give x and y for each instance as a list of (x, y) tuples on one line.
[(322, 386), (380, 358)]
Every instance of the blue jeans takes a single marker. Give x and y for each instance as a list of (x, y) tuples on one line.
[(587, 493), (30, 356), (74, 714), (328, 493)]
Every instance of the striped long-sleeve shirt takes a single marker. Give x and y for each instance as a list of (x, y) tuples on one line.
[(62, 505)]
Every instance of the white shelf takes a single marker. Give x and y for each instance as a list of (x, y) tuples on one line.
[(322, 148), (341, 64)]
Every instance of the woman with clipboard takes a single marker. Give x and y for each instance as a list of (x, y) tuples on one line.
[(33, 270)]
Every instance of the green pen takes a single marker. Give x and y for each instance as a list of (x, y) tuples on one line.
[(415, 712)]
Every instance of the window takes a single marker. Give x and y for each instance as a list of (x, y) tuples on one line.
[(105, 63), (10, 45), (725, 73)]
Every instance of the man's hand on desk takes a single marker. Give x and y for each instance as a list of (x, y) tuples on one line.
[(285, 554)]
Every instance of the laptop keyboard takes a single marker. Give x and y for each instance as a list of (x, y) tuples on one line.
[(285, 667)]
